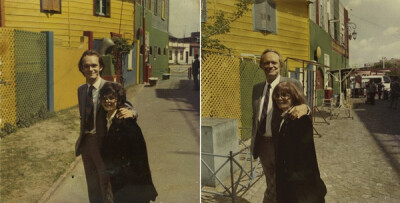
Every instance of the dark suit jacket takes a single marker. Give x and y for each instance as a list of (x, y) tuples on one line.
[(125, 155), (256, 98), (100, 115), (297, 173)]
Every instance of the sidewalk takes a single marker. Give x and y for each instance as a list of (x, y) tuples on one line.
[(169, 119), (358, 159)]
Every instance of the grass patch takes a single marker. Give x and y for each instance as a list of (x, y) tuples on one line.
[(33, 158)]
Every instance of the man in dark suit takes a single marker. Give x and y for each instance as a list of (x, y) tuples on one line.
[(93, 126), (196, 71), (265, 123)]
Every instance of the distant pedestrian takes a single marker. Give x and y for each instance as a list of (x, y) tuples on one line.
[(195, 72), (92, 124), (124, 151), (380, 89), (297, 174), (358, 86), (394, 92), (371, 91)]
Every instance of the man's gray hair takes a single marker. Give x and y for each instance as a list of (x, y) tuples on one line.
[(281, 63)]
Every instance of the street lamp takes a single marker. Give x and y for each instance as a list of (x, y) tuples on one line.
[(352, 27)]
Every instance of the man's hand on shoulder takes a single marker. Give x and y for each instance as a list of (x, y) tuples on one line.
[(125, 113), (298, 111)]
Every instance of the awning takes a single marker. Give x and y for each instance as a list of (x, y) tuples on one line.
[(314, 63)]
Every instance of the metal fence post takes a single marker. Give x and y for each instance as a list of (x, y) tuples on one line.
[(50, 69), (232, 181)]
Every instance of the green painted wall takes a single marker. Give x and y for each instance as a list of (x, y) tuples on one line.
[(158, 38), (318, 37), (159, 62)]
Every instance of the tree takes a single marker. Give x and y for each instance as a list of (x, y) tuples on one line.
[(221, 25)]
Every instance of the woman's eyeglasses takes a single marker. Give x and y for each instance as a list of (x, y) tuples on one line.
[(109, 98), (283, 95)]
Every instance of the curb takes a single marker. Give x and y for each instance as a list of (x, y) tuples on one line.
[(56, 184)]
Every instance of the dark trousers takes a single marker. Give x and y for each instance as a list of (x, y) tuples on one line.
[(266, 151), (196, 81), (96, 178)]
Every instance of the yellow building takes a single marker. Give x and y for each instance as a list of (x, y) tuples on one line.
[(68, 20), (282, 25)]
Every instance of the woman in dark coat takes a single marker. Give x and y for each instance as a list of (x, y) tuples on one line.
[(297, 173), (124, 151)]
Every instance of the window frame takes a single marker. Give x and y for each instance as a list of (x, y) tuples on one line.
[(155, 12), (163, 9), (96, 13), (50, 11), (270, 18)]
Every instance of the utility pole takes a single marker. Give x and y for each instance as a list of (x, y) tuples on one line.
[(383, 62), (144, 37)]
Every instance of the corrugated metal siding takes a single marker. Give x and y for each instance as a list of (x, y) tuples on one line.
[(292, 39), (76, 17)]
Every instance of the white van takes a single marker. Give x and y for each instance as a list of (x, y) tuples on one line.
[(377, 79)]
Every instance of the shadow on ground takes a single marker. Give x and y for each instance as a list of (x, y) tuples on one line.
[(182, 91), (384, 125)]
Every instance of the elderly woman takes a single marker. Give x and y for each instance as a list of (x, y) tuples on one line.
[(297, 173), (124, 151)]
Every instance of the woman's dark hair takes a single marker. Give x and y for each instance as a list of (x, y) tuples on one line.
[(289, 88), (117, 90)]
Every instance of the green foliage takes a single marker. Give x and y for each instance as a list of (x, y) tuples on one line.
[(42, 114), (121, 45), (394, 72), (388, 64), (221, 25), (7, 129)]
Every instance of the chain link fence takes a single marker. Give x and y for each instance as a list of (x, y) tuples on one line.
[(226, 88), (7, 77), (24, 72)]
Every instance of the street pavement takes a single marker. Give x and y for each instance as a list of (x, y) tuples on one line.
[(170, 121), (358, 158)]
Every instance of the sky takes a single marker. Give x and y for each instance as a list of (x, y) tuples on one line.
[(378, 30), (184, 17)]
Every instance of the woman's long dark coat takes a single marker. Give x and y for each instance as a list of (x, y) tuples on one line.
[(125, 155), (297, 173)]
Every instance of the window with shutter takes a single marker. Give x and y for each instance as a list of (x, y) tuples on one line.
[(264, 16), (51, 6), (155, 7), (163, 9), (149, 4), (102, 8)]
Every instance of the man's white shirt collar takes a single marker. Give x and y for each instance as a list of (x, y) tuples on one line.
[(95, 84)]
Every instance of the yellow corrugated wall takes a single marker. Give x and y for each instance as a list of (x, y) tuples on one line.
[(293, 35), (67, 77), (76, 17), (8, 111)]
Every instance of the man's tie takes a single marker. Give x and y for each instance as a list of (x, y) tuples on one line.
[(263, 119), (89, 118)]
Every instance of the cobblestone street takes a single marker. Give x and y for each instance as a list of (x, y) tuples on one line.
[(358, 158)]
